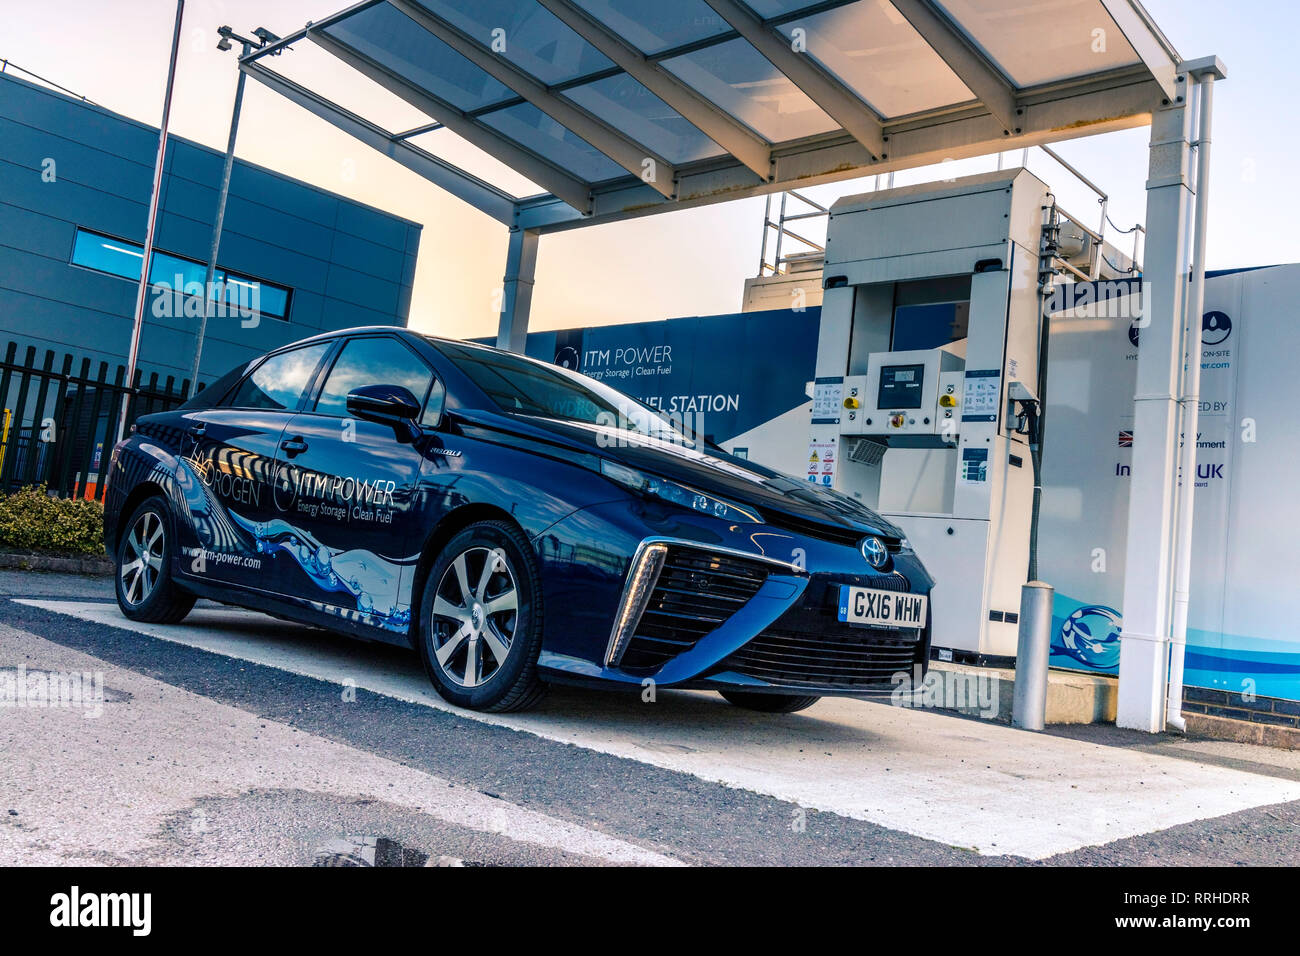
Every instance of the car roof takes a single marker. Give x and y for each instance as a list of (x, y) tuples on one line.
[(340, 333), (394, 329)]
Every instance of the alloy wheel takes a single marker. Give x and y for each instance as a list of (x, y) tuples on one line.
[(475, 613), (142, 558)]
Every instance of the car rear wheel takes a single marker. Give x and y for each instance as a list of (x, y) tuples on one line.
[(768, 703), (481, 620), (144, 585)]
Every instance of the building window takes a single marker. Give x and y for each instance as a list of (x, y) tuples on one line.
[(118, 257), (107, 255)]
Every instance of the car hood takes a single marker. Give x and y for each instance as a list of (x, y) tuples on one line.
[(783, 500)]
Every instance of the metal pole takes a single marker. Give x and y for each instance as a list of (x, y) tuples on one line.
[(1101, 239), (1029, 696), (142, 293), (217, 223), (1191, 411), (780, 235)]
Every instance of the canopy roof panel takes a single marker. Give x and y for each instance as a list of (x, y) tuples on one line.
[(625, 107)]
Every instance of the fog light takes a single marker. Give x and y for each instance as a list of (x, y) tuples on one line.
[(646, 565)]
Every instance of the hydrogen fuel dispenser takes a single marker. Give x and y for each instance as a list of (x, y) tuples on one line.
[(927, 360)]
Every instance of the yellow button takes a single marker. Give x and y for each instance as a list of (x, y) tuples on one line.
[(948, 401), (852, 403)]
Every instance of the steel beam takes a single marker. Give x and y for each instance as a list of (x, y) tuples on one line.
[(481, 195), (837, 100), (1149, 44), (285, 42), (971, 66), (636, 158), (721, 127), (546, 174), (1121, 100)]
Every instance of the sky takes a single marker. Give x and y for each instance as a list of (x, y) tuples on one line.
[(692, 262)]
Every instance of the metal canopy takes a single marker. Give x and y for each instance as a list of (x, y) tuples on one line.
[(621, 108)]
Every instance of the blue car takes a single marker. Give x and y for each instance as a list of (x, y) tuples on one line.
[(515, 523)]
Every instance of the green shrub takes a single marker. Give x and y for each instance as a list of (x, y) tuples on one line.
[(30, 519)]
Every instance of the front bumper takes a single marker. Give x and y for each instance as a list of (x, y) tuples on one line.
[(744, 608)]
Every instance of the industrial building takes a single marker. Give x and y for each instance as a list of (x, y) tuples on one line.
[(74, 195)]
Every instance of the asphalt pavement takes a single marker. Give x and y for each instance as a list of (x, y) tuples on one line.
[(235, 738)]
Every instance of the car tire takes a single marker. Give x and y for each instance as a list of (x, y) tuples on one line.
[(147, 591), (768, 703), (480, 648)]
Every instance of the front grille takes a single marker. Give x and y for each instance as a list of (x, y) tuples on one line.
[(696, 592), (887, 582), (841, 659)]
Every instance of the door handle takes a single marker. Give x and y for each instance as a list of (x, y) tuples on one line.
[(294, 446)]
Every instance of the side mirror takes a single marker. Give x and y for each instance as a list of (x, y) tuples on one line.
[(387, 405)]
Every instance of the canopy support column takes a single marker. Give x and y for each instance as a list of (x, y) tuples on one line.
[(517, 293), (1148, 568)]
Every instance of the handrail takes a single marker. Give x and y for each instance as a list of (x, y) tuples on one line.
[(777, 265), (6, 63)]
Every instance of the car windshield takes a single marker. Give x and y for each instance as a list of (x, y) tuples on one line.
[(523, 386)]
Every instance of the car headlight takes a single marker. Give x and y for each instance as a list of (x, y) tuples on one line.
[(677, 494)]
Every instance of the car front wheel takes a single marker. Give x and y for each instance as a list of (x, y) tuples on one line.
[(768, 703), (144, 585), (481, 620)]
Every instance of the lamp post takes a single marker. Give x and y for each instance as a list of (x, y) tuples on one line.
[(141, 296)]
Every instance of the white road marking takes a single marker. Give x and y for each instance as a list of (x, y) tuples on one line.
[(108, 785), (965, 783)]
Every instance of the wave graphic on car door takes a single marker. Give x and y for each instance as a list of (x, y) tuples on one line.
[(372, 581)]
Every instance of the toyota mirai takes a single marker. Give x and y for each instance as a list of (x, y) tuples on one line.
[(516, 523)]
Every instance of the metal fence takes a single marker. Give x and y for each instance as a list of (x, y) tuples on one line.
[(60, 416)]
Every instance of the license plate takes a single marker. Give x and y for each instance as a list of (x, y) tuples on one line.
[(882, 608)]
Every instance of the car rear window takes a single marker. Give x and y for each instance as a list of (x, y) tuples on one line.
[(214, 393)]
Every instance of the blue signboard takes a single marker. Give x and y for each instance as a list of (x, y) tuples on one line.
[(721, 374)]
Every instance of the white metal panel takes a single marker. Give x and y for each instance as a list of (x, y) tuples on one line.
[(871, 48), (741, 82), (1043, 42), (902, 222), (954, 550)]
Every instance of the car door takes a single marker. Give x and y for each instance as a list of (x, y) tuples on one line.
[(350, 497), (230, 451)]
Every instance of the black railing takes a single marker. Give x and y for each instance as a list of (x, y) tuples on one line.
[(57, 428)]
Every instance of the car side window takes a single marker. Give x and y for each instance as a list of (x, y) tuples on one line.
[(372, 361), (278, 383), (433, 407)]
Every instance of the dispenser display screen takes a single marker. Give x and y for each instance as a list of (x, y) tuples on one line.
[(900, 386)]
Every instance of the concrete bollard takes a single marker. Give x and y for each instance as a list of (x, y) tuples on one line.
[(1029, 700)]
